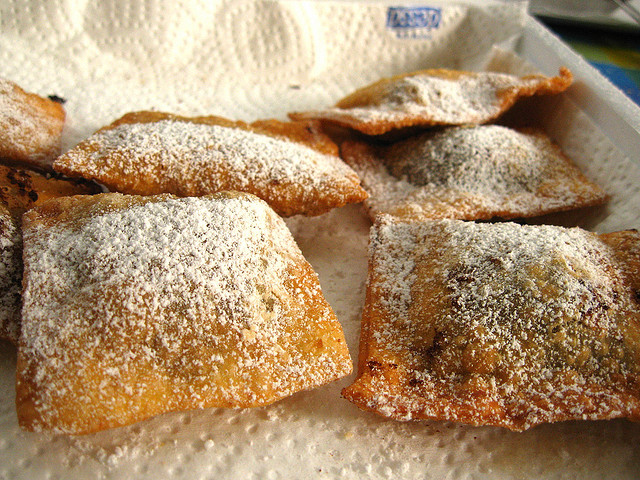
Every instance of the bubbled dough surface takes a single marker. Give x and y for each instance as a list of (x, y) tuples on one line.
[(201, 61)]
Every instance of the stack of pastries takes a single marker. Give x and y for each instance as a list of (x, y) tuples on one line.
[(149, 269)]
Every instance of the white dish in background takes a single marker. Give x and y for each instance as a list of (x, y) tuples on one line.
[(590, 13), (207, 58)]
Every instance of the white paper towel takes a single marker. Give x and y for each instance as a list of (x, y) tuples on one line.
[(256, 59)]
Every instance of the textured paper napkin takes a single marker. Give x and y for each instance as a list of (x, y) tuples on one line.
[(257, 59)]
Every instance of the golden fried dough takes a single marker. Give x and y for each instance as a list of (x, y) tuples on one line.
[(499, 324), (290, 165), (20, 190), (134, 306), (435, 97), (474, 172), (30, 126)]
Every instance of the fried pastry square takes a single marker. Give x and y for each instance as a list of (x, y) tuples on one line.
[(499, 324), (20, 190), (291, 165), (435, 97), (30, 126), (134, 306), (470, 173)]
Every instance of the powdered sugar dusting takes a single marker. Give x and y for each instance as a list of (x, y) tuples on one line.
[(472, 172), (10, 275), (528, 318), (466, 99), (193, 297), (190, 158), (485, 160), (440, 97)]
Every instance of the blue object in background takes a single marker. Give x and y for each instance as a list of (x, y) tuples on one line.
[(621, 78), (616, 54)]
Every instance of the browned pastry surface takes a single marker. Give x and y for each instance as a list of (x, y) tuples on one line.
[(291, 165), (435, 97), (474, 172), (20, 190), (30, 126), (500, 324), (10, 275), (134, 306)]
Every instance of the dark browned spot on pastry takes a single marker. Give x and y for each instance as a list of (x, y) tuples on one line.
[(23, 183), (436, 345), (461, 274), (18, 178), (495, 260), (57, 99), (269, 304), (377, 367), (4, 191), (374, 366), (415, 382)]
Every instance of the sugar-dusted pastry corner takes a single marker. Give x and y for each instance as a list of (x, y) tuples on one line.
[(134, 306), (30, 126), (435, 97), (20, 190), (293, 166), (499, 324), (470, 173)]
